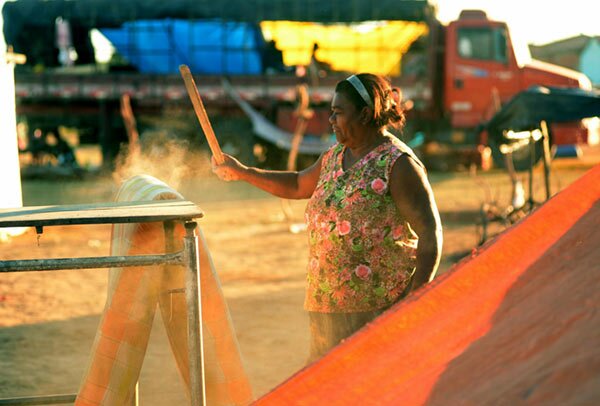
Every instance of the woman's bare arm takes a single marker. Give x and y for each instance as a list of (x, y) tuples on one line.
[(414, 199), (284, 184)]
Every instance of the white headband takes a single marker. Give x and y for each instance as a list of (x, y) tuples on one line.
[(361, 89)]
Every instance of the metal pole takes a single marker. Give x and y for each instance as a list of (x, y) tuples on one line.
[(531, 163), (25, 265), (546, 156), (135, 400), (194, 319), (39, 400)]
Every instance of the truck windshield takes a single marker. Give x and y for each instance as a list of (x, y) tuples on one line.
[(483, 43)]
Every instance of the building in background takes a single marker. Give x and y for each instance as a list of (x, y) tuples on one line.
[(581, 53)]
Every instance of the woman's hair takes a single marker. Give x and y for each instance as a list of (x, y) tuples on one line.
[(387, 100)]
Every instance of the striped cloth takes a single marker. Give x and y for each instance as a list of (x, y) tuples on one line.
[(133, 294)]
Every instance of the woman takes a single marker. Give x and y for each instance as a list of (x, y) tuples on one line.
[(370, 203)]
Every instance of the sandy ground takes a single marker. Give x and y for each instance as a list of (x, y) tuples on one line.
[(48, 319)]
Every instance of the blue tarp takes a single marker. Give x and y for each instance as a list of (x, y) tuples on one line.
[(207, 47)]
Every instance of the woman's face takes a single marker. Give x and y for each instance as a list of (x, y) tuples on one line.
[(345, 120)]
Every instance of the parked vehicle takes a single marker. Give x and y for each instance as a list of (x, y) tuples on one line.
[(454, 77)]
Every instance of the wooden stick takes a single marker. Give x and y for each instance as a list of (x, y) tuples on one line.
[(192, 90), (131, 126)]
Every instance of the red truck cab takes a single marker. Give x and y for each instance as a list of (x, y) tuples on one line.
[(482, 73), (482, 68)]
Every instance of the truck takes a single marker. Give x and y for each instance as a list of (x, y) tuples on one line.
[(453, 76)]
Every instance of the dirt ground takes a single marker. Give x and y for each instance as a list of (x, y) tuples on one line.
[(48, 319)]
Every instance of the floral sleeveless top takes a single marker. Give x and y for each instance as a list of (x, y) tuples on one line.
[(362, 253)]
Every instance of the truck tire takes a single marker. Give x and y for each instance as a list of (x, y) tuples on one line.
[(522, 159)]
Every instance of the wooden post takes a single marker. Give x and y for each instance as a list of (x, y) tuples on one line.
[(303, 114), (131, 127)]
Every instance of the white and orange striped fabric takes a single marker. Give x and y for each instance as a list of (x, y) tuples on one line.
[(133, 295)]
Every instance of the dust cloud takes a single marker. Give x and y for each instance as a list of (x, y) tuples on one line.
[(163, 156)]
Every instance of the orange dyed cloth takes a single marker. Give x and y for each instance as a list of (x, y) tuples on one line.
[(515, 324), (133, 295)]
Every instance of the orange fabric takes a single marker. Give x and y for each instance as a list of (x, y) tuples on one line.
[(134, 293), (454, 340)]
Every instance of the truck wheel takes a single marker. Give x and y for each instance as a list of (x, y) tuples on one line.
[(522, 159)]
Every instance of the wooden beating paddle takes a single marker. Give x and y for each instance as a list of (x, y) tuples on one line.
[(192, 90)]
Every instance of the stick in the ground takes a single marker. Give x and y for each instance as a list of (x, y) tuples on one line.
[(131, 126), (192, 90)]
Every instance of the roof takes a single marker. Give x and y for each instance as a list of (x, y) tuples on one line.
[(516, 323), (109, 13), (568, 45)]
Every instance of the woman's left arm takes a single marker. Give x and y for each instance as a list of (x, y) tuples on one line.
[(414, 199)]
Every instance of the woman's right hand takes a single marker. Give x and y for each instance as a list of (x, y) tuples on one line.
[(229, 170)]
